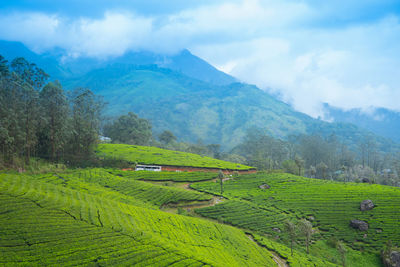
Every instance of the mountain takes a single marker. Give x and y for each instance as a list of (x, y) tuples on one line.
[(188, 96), (381, 121), (196, 110), (61, 67), (47, 61)]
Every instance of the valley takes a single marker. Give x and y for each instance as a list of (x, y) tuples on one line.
[(147, 159), (101, 216)]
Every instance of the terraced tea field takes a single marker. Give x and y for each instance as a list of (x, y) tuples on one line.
[(65, 219), (166, 176), (112, 217), (158, 156), (329, 205)]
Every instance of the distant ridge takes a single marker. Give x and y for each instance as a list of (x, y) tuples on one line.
[(381, 121), (188, 96)]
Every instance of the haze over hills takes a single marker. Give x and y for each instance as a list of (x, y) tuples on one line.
[(381, 121), (186, 95)]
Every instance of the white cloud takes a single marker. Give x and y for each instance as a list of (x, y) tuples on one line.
[(111, 35), (351, 67), (278, 45)]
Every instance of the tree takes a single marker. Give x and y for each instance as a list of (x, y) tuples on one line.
[(313, 171), (221, 177), (342, 251), (29, 73), (30, 79), (261, 150), (129, 129), (167, 137), (306, 230), (4, 71), (214, 150), (54, 124), (299, 163), (289, 166), (290, 228), (321, 169), (85, 124)]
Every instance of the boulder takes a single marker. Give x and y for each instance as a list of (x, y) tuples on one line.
[(395, 258), (358, 224), (275, 229), (366, 205), (264, 186), (365, 180)]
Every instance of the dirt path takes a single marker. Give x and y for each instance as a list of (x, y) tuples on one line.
[(214, 200), (196, 205), (281, 262), (278, 260)]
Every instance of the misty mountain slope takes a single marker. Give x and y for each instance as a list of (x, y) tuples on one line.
[(381, 121), (193, 108), (195, 67), (62, 68), (48, 62)]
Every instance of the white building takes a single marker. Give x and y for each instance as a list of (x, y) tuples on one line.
[(148, 168)]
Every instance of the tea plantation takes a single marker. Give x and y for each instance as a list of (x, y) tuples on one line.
[(166, 176), (66, 220), (107, 217), (328, 205), (158, 156)]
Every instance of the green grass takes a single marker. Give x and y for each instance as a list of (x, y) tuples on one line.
[(166, 176), (70, 221), (158, 156), (332, 204)]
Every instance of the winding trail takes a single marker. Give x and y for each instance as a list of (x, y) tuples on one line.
[(215, 200), (278, 260)]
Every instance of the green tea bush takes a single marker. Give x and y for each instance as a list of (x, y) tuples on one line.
[(158, 156), (166, 176), (58, 220), (328, 205)]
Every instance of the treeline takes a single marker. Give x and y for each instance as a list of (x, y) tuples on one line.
[(133, 130), (318, 157), (39, 119), (313, 156)]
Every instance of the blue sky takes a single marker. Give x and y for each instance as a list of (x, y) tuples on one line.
[(345, 53)]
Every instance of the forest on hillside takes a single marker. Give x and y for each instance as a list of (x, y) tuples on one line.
[(39, 119)]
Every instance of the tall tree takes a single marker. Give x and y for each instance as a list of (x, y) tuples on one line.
[(305, 228), (85, 124), (221, 177), (322, 169), (30, 79), (290, 228), (342, 251), (299, 163), (167, 137), (129, 129), (214, 150), (54, 120)]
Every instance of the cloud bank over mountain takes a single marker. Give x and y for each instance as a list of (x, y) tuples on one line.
[(306, 52)]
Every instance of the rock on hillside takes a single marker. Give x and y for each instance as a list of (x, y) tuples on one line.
[(366, 205), (264, 186), (358, 224)]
